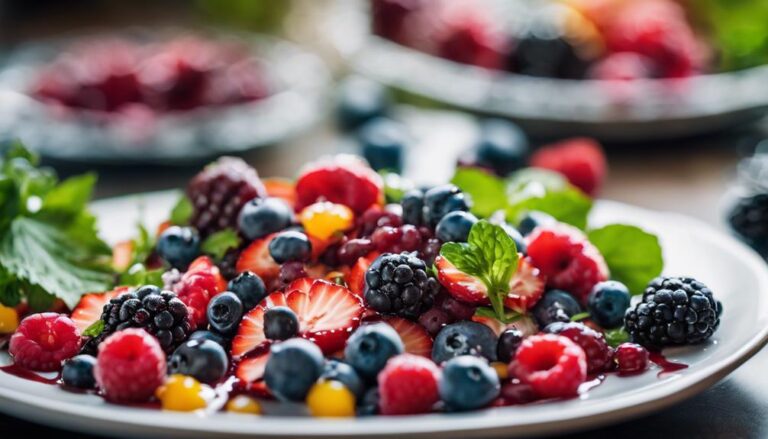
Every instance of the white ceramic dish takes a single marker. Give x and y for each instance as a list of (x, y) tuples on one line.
[(736, 274)]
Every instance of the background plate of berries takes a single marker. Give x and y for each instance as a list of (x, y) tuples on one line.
[(334, 305)]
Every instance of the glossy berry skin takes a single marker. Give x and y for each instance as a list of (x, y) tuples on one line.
[(360, 100), (78, 372), (468, 383), (9, 319), (455, 226), (249, 287), (330, 399), (398, 284), (204, 360), (434, 320), (244, 404), (552, 365), (292, 368), (408, 385), (555, 306), (581, 160), (369, 404), (631, 358), (290, 246), (592, 342), (370, 347), (43, 341), (440, 201), (534, 219), (337, 370), (413, 207), (130, 366), (209, 335), (224, 313), (607, 304), (509, 341), (464, 338), (502, 146), (383, 142), (181, 394), (323, 219), (179, 246), (263, 216), (280, 323)]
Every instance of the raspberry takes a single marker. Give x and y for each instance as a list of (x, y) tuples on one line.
[(43, 341), (580, 160), (567, 259), (130, 366), (408, 385), (220, 191), (196, 288), (592, 342), (552, 365), (468, 37), (631, 358)]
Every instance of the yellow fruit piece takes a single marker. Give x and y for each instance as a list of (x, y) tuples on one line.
[(324, 219), (244, 404), (502, 370), (9, 320), (330, 399), (182, 393)]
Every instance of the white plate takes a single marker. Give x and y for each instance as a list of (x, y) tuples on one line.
[(738, 277)]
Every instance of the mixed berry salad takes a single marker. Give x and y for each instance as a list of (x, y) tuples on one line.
[(340, 292)]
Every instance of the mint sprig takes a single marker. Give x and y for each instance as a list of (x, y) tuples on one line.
[(219, 243), (489, 255), (634, 256)]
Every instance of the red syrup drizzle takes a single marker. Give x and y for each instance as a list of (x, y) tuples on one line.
[(666, 366), (20, 372)]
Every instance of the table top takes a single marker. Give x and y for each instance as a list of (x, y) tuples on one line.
[(689, 177)]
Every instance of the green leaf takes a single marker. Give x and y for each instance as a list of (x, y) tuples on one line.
[(38, 299), (219, 243), (13, 149), (489, 255), (138, 274), (10, 201), (10, 290), (70, 197), (634, 256), (580, 316), (615, 337), (506, 318), (95, 329), (545, 191), (487, 191), (181, 213), (143, 244)]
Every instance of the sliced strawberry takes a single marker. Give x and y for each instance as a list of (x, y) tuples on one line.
[(526, 287), (281, 188), (122, 255), (250, 372), (256, 258), (328, 313), (415, 338), (343, 179), (459, 284), (90, 306), (197, 286), (356, 277), (525, 324)]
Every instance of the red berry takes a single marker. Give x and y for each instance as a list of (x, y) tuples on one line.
[(515, 393), (552, 365), (580, 160), (256, 258), (455, 309), (342, 179), (43, 341), (567, 259), (468, 36), (356, 277), (408, 385), (631, 358), (592, 342), (197, 286), (415, 337), (433, 320), (250, 371), (90, 307), (622, 66), (130, 366)]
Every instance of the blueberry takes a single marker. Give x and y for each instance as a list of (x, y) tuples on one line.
[(464, 338), (204, 360), (517, 237), (383, 142), (178, 246), (292, 368), (455, 226), (337, 370), (209, 335), (555, 306), (413, 207), (534, 219), (280, 323), (468, 383), (509, 341), (441, 200), (77, 372), (369, 348), (607, 303), (262, 216), (502, 146), (361, 100), (290, 246), (249, 288), (369, 405), (224, 312)]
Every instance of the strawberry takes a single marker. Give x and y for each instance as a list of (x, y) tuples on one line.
[(356, 277), (205, 264), (256, 258), (197, 286), (328, 313), (525, 287), (580, 160), (250, 372), (122, 255), (90, 306), (343, 179), (415, 338)]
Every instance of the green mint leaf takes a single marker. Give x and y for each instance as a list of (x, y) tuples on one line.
[(219, 243), (15, 149), (143, 244), (507, 317), (37, 298), (580, 316), (181, 213), (70, 197), (545, 191), (490, 255), (138, 274), (634, 256), (487, 191), (10, 201), (395, 186), (10, 290), (615, 337), (95, 329)]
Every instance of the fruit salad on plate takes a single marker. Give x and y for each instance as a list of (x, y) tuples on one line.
[(334, 291)]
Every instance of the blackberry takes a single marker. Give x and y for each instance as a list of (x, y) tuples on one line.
[(749, 218), (159, 312), (220, 191), (674, 311), (399, 284)]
